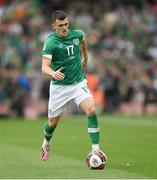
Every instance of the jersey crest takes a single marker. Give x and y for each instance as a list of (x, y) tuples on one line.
[(76, 41)]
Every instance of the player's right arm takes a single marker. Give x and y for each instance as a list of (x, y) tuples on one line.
[(46, 69), (47, 58)]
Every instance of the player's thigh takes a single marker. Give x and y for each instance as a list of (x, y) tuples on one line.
[(57, 101), (88, 106)]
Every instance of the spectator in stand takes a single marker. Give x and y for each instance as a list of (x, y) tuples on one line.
[(94, 86), (115, 38)]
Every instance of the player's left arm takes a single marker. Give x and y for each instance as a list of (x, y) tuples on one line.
[(84, 52)]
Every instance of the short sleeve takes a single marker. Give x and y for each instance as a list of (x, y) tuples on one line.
[(80, 34), (47, 49)]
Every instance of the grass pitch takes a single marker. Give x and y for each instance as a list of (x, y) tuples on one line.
[(129, 142)]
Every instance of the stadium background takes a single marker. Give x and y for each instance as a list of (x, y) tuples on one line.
[(122, 75), (122, 48)]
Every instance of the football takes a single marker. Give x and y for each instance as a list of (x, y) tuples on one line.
[(96, 160)]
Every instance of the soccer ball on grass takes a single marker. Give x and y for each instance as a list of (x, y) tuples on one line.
[(96, 160)]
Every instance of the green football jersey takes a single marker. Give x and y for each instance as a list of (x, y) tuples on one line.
[(65, 52)]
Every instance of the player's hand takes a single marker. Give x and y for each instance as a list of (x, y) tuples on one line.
[(84, 63), (58, 74)]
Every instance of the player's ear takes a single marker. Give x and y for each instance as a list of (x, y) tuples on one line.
[(53, 26)]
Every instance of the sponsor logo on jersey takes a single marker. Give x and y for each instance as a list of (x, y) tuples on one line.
[(76, 41), (61, 45)]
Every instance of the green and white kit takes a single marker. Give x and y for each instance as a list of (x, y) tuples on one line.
[(65, 52)]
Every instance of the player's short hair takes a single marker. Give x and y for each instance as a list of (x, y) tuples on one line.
[(59, 14)]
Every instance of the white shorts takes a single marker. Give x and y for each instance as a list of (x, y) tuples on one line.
[(62, 94)]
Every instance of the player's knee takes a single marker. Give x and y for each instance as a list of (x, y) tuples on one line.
[(91, 111), (53, 122)]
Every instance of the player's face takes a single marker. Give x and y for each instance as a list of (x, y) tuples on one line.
[(62, 27)]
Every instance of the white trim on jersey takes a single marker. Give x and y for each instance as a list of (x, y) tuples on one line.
[(49, 56)]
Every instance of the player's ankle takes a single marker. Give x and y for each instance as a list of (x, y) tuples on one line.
[(46, 142), (95, 147)]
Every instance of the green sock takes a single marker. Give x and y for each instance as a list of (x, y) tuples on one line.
[(48, 131), (93, 129)]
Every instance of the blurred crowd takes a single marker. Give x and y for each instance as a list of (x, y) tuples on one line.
[(122, 49)]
